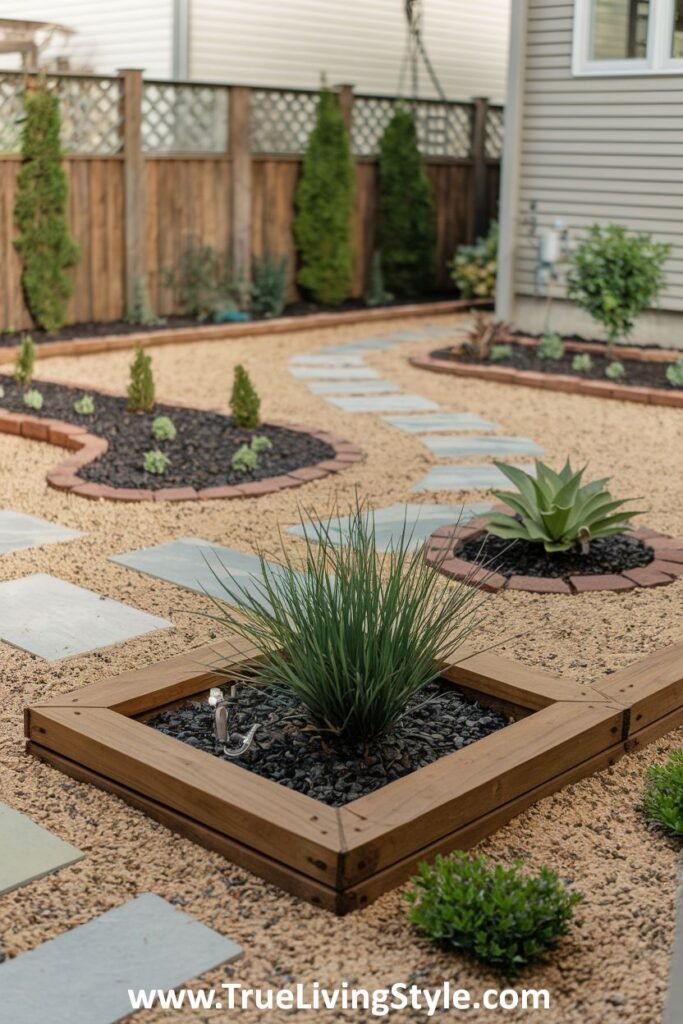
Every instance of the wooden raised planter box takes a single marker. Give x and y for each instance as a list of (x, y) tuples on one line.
[(342, 859)]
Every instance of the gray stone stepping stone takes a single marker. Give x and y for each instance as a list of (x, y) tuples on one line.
[(318, 359), (673, 1010), (419, 521), (364, 345), (194, 563), (54, 619), (351, 387), (333, 373), (84, 975), (19, 532), (440, 421), (388, 403), (464, 478), (466, 446), (28, 852)]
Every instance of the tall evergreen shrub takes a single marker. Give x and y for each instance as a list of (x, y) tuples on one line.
[(407, 234), (324, 200), (45, 245)]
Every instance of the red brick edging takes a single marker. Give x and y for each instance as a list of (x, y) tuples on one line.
[(666, 567), (85, 447)]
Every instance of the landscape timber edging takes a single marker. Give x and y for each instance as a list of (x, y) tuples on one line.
[(343, 858)]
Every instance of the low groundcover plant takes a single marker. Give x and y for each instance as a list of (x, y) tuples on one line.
[(663, 796), (356, 633), (500, 915)]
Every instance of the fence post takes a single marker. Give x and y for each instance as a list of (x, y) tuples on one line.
[(133, 181), (240, 151), (345, 93), (480, 113)]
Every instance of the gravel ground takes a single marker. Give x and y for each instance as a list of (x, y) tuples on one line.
[(613, 967)]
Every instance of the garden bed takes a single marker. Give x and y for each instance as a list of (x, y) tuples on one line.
[(344, 858)]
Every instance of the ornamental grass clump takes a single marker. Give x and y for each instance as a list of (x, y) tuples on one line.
[(663, 796), (499, 915), (141, 388), (269, 284), (557, 510), (354, 634)]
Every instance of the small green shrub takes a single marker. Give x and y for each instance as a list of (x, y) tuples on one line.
[(244, 460), (376, 294), (551, 347), (269, 284), (474, 267), (141, 387), (663, 796), (500, 352), (244, 402), (356, 633), (25, 361), (615, 370), (33, 399), (85, 405), (499, 915), (582, 362), (555, 510), (674, 374), (615, 275), (202, 281), (163, 429), (141, 312), (324, 202), (261, 443), (156, 462)]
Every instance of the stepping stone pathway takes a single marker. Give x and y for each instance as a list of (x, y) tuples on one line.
[(19, 532), (440, 421), (54, 619), (350, 387), (464, 478), (419, 522), (83, 976), (390, 403), (28, 852), (333, 373), (463, 447), (316, 359)]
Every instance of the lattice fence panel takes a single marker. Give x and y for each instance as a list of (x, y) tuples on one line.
[(443, 129), (11, 109), (281, 120), (90, 111), (182, 118), (371, 115), (494, 133)]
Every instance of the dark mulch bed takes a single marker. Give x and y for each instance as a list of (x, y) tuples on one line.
[(200, 454), (288, 750), (524, 357), (606, 555)]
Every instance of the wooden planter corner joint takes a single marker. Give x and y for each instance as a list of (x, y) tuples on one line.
[(342, 859)]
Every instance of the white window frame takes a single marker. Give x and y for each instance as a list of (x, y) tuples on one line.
[(659, 44)]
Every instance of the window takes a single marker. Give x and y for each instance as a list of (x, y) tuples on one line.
[(628, 37)]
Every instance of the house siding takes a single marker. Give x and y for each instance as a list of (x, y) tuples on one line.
[(595, 150)]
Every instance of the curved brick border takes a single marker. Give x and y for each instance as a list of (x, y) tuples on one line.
[(85, 447), (666, 567), (563, 381)]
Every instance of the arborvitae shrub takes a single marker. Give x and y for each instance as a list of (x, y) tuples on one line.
[(25, 361), (45, 245), (324, 200), (244, 402), (141, 387), (406, 228)]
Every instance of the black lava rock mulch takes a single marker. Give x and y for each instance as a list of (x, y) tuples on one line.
[(200, 454), (605, 555), (288, 750)]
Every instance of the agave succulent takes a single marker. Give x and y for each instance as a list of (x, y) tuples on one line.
[(557, 509)]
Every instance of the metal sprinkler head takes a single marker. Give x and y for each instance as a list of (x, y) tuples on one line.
[(220, 705)]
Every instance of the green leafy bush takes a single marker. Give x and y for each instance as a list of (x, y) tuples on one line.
[(474, 267), (261, 443), (44, 243), (244, 460), (499, 353), (244, 402), (141, 387), (269, 284), (156, 462), (141, 312), (615, 370), (663, 796), (556, 510), (163, 429), (376, 294), (550, 347), (407, 232), (25, 361), (582, 362), (33, 399), (674, 374), (324, 201), (85, 405), (202, 281), (615, 275), (355, 634), (500, 915)]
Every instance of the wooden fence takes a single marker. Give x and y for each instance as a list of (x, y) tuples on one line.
[(154, 165)]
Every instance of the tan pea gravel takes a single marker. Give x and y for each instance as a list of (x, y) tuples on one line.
[(613, 967)]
